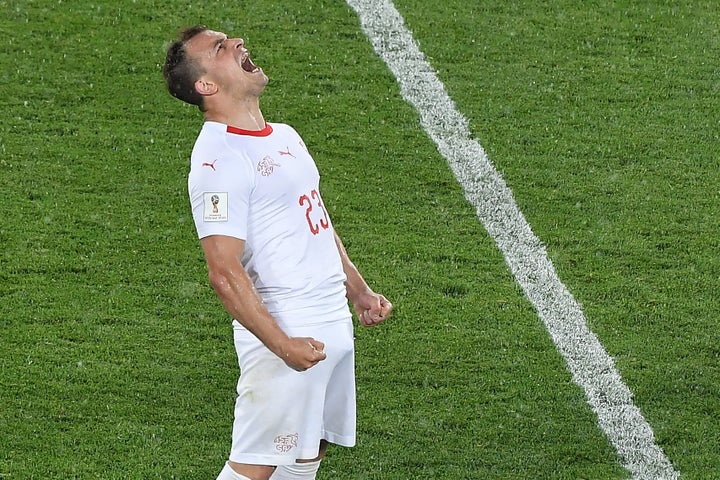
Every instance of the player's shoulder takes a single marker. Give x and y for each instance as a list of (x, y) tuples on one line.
[(283, 129), (209, 139), (212, 142), (212, 159)]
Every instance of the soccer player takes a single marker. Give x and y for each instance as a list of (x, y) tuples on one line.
[(275, 262)]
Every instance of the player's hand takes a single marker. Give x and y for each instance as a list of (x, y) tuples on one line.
[(301, 353), (372, 309)]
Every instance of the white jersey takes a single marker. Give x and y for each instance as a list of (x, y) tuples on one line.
[(263, 187)]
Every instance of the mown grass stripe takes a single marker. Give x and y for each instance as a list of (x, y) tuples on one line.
[(591, 367)]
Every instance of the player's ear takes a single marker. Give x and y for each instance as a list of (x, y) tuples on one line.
[(205, 86)]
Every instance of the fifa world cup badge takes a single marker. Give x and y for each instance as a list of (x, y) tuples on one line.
[(215, 207)]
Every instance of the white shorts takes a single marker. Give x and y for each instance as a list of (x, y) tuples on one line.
[(282, 414)]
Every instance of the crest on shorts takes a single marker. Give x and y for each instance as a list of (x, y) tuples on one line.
[(285, 443)]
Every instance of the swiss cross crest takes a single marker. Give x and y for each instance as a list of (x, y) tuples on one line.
[(285, 443), (266, 166)]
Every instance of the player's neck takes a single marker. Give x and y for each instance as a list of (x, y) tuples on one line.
[(246, 116)]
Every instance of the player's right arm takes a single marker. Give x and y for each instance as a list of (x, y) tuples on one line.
[(237, 293)]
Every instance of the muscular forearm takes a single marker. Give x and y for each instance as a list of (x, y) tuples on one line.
[(355, 283), (371, 308), (242, 301), (239, 297)]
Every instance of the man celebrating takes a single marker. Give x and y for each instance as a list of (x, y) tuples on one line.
[(276, 264)]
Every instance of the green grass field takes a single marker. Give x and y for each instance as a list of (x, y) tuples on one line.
[(116, 360)]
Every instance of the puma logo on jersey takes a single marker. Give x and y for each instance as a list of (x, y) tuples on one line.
[(211, 164), (286, 153)]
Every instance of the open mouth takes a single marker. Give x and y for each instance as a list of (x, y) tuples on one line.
[(248, 65)]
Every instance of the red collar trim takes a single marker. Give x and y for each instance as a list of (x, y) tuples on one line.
[(252, 133)]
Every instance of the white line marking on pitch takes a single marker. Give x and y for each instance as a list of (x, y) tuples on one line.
[(590, 365)]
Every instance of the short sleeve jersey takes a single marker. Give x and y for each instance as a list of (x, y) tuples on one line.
[(263, 187)]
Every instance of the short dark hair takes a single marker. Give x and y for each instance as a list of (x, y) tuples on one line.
[(181, 72)]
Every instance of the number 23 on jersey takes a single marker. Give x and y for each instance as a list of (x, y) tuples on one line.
[(315, 212)]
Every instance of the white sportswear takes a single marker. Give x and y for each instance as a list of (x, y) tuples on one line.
[(263, 187), (298, 471)]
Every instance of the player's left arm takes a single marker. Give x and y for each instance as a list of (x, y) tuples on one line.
[(371, 308)]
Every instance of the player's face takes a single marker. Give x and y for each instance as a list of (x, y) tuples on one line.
[(225, 60)]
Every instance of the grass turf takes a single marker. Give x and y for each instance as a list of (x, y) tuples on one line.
[(116, 358)]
